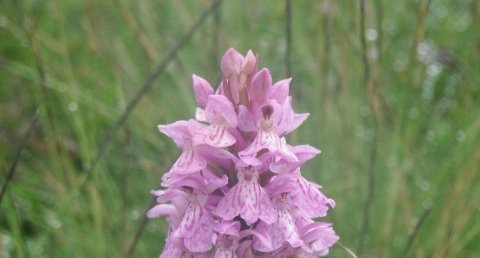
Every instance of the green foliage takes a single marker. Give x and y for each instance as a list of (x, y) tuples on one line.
[(80, 62)]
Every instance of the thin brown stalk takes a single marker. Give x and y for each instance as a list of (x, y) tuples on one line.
[(412, 236), (288, 55), (34, 44), (217, 17), (420, 29), (126, 173), (379, 19), (370, 86), (288, 38), (327, 67), (148, 83), (363, 42), (16, 158), (370, 196), (137, 31), (138, 233), (327, 24)]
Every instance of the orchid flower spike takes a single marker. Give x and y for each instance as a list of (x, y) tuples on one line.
[(236, 189)]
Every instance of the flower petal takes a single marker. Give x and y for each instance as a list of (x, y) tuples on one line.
[(247, 199), (189, 161), (297, 121), (161, 210), (309, 199), (231, 62), (280, 89), (231, 228), (244, 249), (226, 247), (320, 236), (216, 136), (283, 230), (178, 131), (200, 115), (290, 120), (245, 120), (202, 90), (219, 108), (174, 249), (260, 86), (270, 141), (249, 63), (303, 154), (196, 228)]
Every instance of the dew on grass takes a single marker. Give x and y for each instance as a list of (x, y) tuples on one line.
[(400, 62), (426, 52), (364, 133), (389, 26), (427, 203), (434, 69), (425, 185), (364, 110), (6, 240), (53, 221), (72, 106), (373, 53), (460, 135), (413, 114), (134, 215), (372, 34)]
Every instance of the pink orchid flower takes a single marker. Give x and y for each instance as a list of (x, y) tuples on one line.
[(236, 190)]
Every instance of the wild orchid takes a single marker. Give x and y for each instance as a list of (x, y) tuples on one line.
[(236, 190)]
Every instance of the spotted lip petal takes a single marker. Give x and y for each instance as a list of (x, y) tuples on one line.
[(178, 131), (247, 199), (244, 249), (196, 227), (284, 230), (280, 165), (309, 199), (221, 115), (171, 203), (226, 247), (217, 135), (189, 161), (269, 123), (184, 134), (319, 237), (174, 249)]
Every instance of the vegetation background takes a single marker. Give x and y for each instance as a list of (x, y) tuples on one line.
[(392, 88)]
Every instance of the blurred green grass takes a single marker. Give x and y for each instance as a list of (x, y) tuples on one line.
[(95, 55)]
